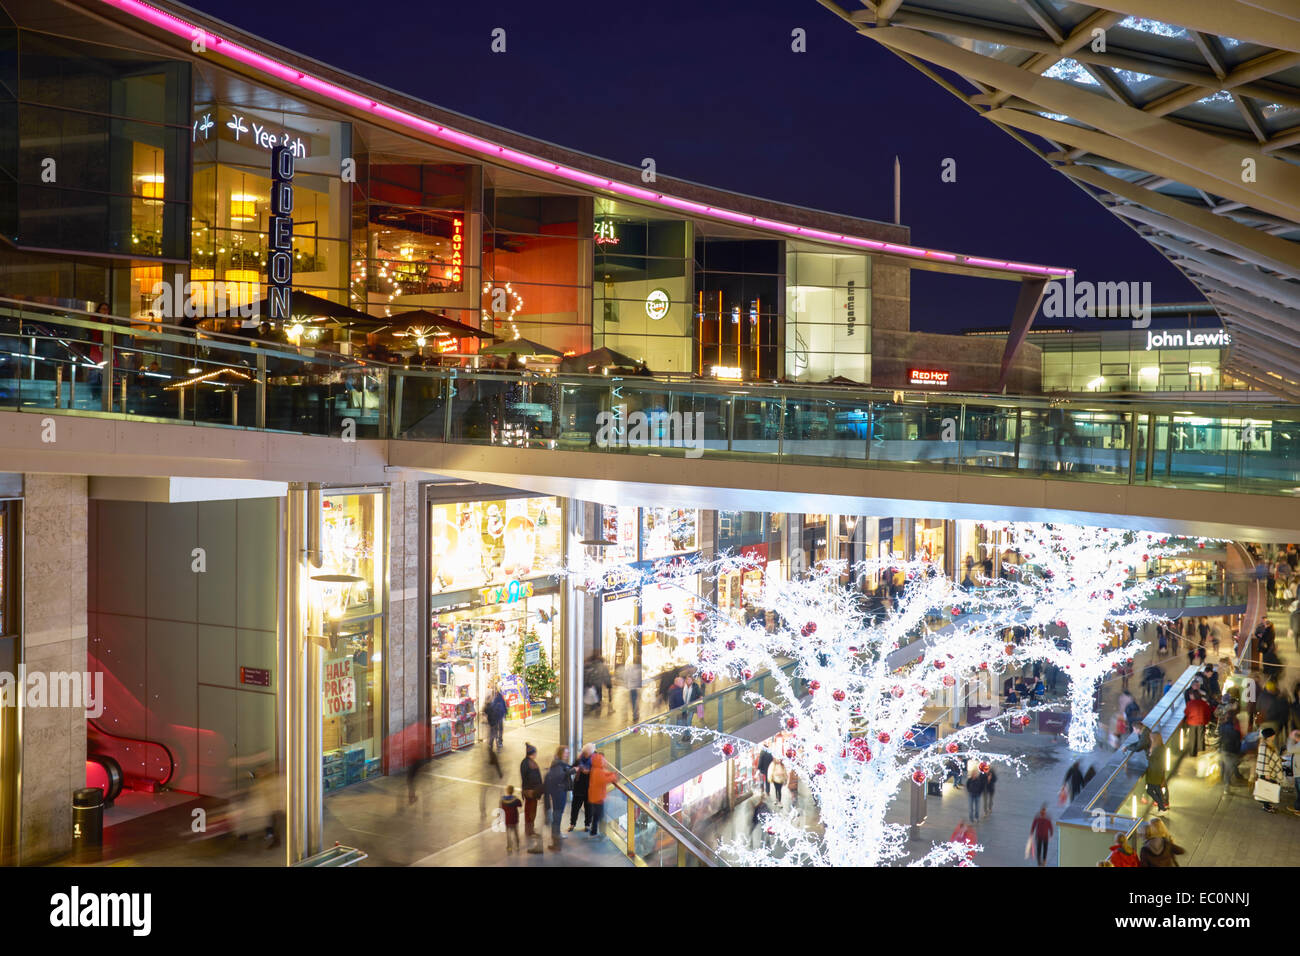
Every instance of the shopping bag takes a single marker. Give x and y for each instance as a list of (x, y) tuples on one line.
[(589, 697), (1266, 791), (1029, 847)]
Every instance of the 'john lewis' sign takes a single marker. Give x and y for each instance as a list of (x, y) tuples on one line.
[(1188, 340)]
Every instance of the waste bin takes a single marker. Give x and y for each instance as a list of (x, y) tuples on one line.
[(87, 819)]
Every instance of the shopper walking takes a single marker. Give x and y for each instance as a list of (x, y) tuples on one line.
[(1229, 747), (777, 774), (510, 805), (496, 711), (601, 777), (581, 777), (792, 787), (1121, 853), (559, 776), (1159, 849), (1197, 714), (1041, 829), (1268, 771), (632, 677), (1156, 778), (764, 763), (990, 782), (531, 787), (975, 794)]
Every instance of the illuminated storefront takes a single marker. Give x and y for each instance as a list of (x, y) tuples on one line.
[(349, 610), (653, 624), (495, 611)]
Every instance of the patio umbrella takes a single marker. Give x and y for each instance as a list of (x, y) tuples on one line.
[(595, 360), (308, 306), (404, 324), (519, 347)]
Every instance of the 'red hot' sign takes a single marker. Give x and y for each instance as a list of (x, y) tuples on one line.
[(928, 376)]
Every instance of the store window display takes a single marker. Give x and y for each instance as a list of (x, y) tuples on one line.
[(349, 617), (495, 618)]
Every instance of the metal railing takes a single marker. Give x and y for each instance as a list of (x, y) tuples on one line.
[(649, 835), (81, 363)]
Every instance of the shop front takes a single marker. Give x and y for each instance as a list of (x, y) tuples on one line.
[(640, 621), (495, 610), (350, 622)]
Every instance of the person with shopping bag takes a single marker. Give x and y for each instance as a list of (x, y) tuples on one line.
[(1268, 772)]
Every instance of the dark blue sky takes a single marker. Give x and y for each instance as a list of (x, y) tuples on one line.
[(714, 93)]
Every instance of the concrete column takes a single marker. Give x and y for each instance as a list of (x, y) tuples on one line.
[(293, 713), (52, 740), (406, 657), (575, 608)]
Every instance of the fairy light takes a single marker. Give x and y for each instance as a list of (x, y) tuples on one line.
[(207, 377), (1073, 582)]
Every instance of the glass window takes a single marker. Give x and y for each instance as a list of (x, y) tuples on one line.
[(828, 316), (668, 531)]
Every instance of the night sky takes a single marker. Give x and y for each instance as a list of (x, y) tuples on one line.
[(714, 94)]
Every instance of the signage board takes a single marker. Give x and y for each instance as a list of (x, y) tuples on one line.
[(532, 654), (339, 688), (930, 377), (255, 676), (279, 262)]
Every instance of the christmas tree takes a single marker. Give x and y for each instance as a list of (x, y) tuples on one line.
[(541, 679)]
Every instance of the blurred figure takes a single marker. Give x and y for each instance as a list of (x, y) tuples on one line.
[(1159, 848), (1268, 771), (1041, 829), (556, 785), (1121, 853), (632, 679), (990, 782), (777, 774), (601, 777), (531, 786), (581, 777), (510, 805)]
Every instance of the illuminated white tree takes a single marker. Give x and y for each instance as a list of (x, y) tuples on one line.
[(1071, 582), (852, 709)]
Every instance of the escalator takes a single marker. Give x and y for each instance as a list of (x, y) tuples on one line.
[(114, 763)]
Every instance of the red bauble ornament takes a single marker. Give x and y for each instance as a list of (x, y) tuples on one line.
[(790, 752), (748, 673), (837, 695), (707, 676), (897, 691), (1200, 544), (984, 766), (758, 706), (919, 776), (700, 615), (819, 769), (814, 685), (984, 665), (956, 611), (1145, 558), (731, 645), (938, 665), (812, 627), (949, 680), (728, 750), (1009, 649), (1024, 721), (908, 735), (668, 609), (791, 723), (951, 747), (883, 737)]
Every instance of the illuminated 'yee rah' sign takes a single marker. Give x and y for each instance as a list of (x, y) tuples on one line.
[(279, 265)]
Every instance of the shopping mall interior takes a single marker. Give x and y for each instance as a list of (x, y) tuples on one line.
[(371, 477)]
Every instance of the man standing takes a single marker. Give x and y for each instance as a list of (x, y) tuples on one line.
[(975, 792), (632, 678), (556, 787)]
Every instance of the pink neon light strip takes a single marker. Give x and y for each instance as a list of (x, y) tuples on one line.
[(189, 31)]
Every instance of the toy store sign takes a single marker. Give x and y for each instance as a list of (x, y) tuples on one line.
[(507, 593), (339, 691)]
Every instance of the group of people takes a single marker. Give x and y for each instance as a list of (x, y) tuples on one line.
[(1158, 848), (588, 779)]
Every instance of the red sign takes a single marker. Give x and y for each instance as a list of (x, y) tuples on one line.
[(256, 676), (755, 555), (928, 376)]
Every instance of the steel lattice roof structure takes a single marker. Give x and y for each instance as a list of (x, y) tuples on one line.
[(1180, 116)]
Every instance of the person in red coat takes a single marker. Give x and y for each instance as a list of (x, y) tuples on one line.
[(1196, 715), (1121, 854), (1040, 829)]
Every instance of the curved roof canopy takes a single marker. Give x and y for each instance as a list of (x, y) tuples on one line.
[(1180, 116)]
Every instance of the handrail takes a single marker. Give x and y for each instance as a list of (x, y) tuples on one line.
[(1188, 443), (686, 840), (171, 759)]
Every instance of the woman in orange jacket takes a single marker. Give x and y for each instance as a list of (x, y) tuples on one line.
[(602, 775)]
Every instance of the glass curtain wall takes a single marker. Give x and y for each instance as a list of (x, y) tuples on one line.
[(536, 262), (828, 315), (232, 198), (738, 307), (641, 284), (1121, 362)]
